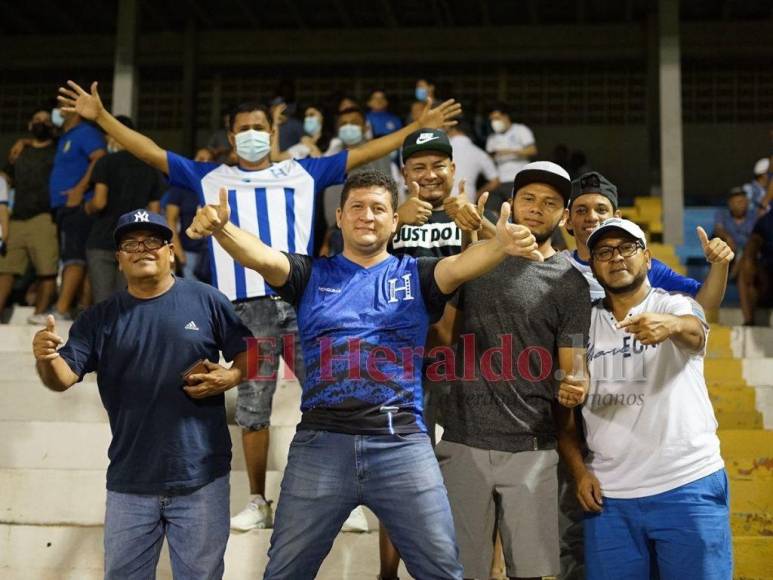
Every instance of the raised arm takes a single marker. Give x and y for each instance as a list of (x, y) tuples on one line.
[(53, 370), (511, 239), (719, 254), (437, 118), (89, 106), (248, 250)]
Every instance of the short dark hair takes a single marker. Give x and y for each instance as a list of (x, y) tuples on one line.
[(350, 111), (370, 178), (248, 107), (502, 107)]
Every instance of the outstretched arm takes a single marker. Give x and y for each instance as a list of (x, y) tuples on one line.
[(245, 248), (89, 106), (511, 239), (719, 254), (437, 118)]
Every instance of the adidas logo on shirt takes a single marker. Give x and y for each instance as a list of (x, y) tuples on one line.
[(191, 326)]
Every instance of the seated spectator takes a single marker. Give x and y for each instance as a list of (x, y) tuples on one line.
[(181, 206), (759, 191), (381, 120), (121, 183), (424, 90), (734, 223), (755, 282), (30, 233)]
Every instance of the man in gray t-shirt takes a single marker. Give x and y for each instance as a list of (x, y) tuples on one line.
[(520, 354)]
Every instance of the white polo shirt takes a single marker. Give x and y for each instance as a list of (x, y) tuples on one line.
[(648, 419), (508, 164)]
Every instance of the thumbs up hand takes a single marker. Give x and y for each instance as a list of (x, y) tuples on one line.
[(46, 341), (716, 250), (517, 240), (414, 211), (467, 216), (211, 218)]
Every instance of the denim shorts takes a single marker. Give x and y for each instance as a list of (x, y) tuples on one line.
[(274, 324)]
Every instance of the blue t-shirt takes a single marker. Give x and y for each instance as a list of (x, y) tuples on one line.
[(383, 123), (163, 440), (72, 161), (362, 332), (661, 276), (277, 205), (188, 202), (740, 232)]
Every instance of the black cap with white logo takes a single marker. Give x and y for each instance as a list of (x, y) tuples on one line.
[(426, 140), (594, 182)]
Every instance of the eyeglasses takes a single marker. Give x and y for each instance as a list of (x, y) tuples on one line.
[(133, 246), (626, 250)]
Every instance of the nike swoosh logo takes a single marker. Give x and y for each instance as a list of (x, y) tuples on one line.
[(426, 139)]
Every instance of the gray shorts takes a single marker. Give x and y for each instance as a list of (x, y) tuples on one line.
[(267, 318), (514, 492)]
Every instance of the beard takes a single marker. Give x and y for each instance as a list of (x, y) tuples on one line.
[(632, 286)]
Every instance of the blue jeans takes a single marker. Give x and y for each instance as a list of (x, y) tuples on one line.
[(396, 476), (195, 525), (679, 534)]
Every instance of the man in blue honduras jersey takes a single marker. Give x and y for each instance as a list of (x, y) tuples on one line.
[(363, 317), (276, 203)]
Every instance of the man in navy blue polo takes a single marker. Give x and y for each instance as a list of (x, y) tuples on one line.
[(170, 455), (363, 317)]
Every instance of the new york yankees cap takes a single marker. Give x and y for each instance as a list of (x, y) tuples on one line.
[(141, 219)]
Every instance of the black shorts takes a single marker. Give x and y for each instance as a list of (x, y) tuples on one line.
[(74, 226)]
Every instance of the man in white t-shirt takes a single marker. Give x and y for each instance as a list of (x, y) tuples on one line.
[(471, 163), (511, 144), (654, 480)]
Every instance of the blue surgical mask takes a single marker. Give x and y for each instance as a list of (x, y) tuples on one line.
[(311, 125), (252, 145), (350, 134), (56, 117), (421, 94)]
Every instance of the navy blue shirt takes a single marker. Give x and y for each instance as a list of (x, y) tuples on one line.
[(163, 440), (72, 161), (363, 332), (383, 123)]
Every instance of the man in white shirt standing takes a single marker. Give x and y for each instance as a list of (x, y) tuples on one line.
[(654, 480), (471, 163)]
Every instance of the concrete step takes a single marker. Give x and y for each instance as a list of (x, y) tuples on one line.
[(740, 420), (732, 398), (751, 507), (29, 400), (76, 497), (734, 317), (752, 557), (61, 445), (751, 342), (748, 454), (76, 553)]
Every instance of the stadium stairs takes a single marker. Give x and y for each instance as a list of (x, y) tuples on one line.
[(54, 456)]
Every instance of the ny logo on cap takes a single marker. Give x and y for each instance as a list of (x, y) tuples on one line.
[(141, 216)]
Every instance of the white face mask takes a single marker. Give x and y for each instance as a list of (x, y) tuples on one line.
[(56, 117), (350, 134), (252, 145), (498, 125)]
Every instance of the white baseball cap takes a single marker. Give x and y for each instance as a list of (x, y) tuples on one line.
[(616, 223), (545, 172), (762, 166)]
